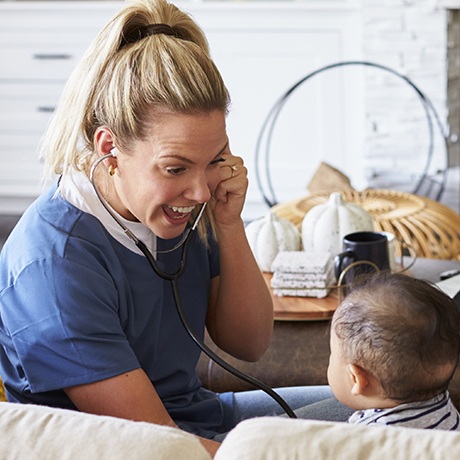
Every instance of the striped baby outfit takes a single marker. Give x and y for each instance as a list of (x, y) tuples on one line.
[(436, 413)]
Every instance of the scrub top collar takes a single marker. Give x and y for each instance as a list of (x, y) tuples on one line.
[(77, 189)]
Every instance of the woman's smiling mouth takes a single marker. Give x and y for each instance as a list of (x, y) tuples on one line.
[(178, 214)]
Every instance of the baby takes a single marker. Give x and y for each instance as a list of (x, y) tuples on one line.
[(395, 344)]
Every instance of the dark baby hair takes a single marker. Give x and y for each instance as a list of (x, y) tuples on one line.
[(403, 330)]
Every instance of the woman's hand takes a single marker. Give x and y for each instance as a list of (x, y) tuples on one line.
[(230, 193), (240, 313)]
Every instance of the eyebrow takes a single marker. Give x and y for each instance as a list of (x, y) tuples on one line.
[(186, 160)]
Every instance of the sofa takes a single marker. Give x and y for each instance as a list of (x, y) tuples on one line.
[(39, 433)]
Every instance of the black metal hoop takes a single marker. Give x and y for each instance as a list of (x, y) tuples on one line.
[(270, 121)]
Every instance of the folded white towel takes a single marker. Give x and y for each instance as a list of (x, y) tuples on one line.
[(301, 262), (302, 274), (302, 280)]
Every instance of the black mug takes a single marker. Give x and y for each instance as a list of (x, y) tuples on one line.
[(370, 248)]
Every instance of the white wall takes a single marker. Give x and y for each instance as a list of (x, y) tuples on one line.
[(410, 37)]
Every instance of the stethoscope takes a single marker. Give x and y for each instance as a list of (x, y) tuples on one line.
[(174, 277)]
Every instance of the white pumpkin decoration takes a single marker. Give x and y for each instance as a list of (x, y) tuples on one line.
[(325, 225), (269, 235)]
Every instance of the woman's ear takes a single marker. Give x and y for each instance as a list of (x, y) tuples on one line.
[(104, 141), (359, 378)]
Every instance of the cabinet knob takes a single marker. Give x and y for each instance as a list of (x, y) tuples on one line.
[(52, 56), (45, 109)]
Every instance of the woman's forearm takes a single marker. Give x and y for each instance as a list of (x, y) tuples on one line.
[(244, 309)]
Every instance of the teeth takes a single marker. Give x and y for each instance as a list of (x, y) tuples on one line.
[(182, 209)]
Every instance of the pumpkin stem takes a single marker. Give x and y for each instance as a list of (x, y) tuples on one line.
[(336, 199), (271, 216)]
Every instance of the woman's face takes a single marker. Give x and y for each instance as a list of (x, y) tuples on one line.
[(175, 169)]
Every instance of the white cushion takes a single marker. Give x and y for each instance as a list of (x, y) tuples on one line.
[(38, 432), (274, 438)]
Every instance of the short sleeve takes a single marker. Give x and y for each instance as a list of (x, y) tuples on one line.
[(64, 319)]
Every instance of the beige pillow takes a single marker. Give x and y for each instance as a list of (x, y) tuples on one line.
[(275, 438), (39, 432)]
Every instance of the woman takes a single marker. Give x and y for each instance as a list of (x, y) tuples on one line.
[(139, 135)]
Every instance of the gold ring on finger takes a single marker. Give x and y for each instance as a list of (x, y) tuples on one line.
[(233, 168)]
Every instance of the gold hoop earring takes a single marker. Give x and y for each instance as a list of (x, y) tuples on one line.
[(111, 170)]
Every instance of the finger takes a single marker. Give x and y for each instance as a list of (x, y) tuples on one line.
[(233, 169), (232, 187)]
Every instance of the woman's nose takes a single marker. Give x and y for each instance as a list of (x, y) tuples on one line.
[(199, 190)]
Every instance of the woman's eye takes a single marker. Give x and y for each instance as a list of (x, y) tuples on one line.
[(175, 171), (217, 161)]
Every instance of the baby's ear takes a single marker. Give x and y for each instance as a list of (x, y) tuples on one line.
[(359, 378)]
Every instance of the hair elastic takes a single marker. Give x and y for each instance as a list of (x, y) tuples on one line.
[(148, 30)]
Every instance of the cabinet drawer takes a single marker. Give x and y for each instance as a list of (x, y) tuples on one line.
[(39, 62), (26, 106), (47, 49)]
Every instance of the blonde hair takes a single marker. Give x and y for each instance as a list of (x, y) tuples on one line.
[(118, 83)]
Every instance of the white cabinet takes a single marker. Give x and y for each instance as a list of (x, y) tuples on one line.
[(40, 44), (261, 49)]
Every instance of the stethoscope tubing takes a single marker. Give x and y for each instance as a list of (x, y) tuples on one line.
[(221, 362), (173, 278)]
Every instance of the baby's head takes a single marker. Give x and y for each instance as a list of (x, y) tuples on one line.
[(394, 339)]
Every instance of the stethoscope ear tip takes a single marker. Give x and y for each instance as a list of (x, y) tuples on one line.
[(114, 152)]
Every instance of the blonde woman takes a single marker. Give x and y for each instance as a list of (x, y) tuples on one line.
[(138, 145)]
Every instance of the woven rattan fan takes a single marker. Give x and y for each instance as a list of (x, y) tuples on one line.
[(431, 229)]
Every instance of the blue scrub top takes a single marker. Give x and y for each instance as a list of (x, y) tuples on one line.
[(76, 306)]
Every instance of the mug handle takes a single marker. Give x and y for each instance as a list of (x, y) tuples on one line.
[(412, 254), (346, 258), (340, 284)]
